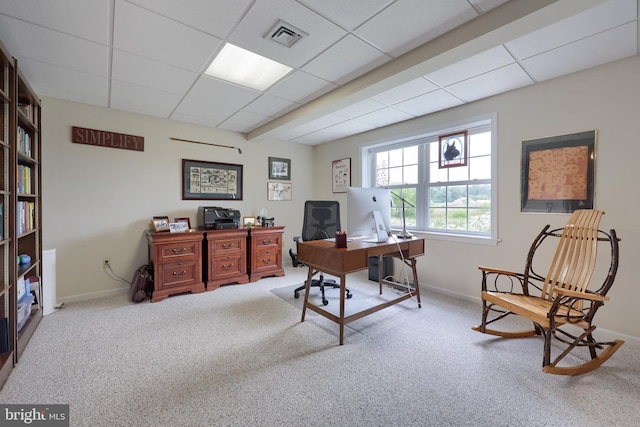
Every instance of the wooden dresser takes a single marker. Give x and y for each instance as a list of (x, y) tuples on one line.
[(265, 252), (176, 259), (226, 257)]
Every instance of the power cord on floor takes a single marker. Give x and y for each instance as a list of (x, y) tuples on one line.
[(112, 274), (403, 273)]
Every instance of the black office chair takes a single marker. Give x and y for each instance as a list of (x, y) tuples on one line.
[(321, 221)]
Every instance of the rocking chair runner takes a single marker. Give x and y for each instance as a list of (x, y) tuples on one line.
[(563, 303)]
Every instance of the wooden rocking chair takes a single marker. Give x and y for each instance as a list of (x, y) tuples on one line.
[(560, 305)]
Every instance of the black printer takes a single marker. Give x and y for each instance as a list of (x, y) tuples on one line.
[(216, 218)]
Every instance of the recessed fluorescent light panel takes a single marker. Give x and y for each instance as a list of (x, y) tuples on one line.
[(246, 68)]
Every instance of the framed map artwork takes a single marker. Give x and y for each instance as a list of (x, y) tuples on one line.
[(558, 173)]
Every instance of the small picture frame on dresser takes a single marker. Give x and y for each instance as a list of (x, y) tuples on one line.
[(160, 223), (183, 219), (178, 227)]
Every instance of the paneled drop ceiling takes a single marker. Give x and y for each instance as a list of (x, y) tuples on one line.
[(363, 64)]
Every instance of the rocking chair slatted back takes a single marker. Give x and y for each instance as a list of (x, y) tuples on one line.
[(575, 258)]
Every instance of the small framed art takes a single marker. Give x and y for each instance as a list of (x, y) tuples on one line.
[(183, 219), (341, 175), (279, 191), (160, 223), (177, 227), (452, 150), (249, 221), (279, 168)]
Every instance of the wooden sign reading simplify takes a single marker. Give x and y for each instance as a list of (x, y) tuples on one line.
[(107, 139)]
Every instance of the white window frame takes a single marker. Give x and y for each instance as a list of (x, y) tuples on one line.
[(491, 120)]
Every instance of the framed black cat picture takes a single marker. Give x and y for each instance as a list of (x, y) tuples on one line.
[(453, 150)]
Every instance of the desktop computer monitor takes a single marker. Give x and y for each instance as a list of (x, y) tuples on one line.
[(361, 205)]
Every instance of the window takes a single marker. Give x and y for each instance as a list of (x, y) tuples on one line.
[(453, 202)]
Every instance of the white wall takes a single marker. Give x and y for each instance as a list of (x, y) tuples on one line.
[(98, 201), (605, 98)]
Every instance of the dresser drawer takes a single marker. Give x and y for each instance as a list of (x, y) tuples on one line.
[(223, 246), (265, 260), (230, 265), (179, 273), (181, 250), (267, 241)]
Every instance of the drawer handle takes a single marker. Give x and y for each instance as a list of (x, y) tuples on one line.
[(267, 242), (227, 267), (266, 260), (180, 274), (227, 245), (178, 251)]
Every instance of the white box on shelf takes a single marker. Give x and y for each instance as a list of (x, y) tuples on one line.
[(24, 311)]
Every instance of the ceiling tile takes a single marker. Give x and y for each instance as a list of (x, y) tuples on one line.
[(156, 75), (224, 94), (491, 83), (215, 17), (58, 82), (301, 87), (142, 100), (406, 91), (264, 14), (407, 24), (207, 111), (347, 14), (94, 23), (354, 56), (475, 65), (384, 117), (244, 121), (162, 39), (592, 21), (611, 45), (53, 47), (428, 103)]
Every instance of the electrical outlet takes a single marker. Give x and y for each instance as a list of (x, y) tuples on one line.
[(106, 262)]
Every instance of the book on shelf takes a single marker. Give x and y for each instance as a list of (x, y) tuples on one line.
[(4, 335), (25, 108), (24, 142)]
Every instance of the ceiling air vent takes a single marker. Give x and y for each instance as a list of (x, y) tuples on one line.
[(285, 34)]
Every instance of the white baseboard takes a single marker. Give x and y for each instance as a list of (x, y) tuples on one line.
[(93, 295)]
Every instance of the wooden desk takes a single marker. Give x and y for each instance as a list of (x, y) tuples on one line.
[(321, 255)]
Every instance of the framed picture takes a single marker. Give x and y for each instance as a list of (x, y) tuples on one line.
[(183, 219), (211, 181), (249, 221), (177, 227), (341, 175), (558, 172), (453, 149), (278, 191), (160, 223), (279, 168)]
